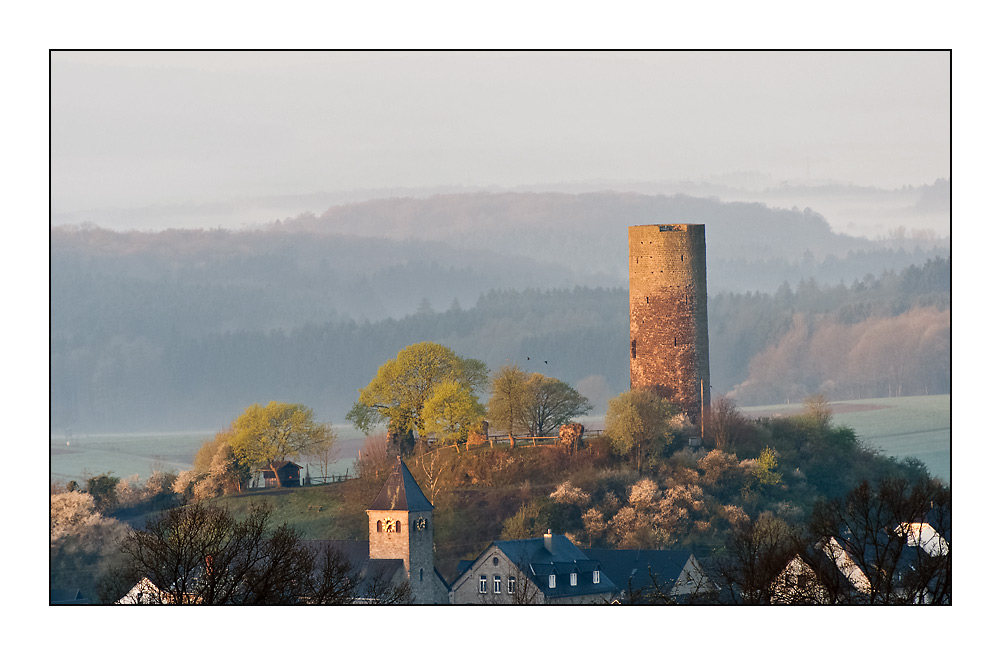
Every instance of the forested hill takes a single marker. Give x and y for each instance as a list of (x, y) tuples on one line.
[(751, 247), (133, 366), (383, 258), (182, 329)]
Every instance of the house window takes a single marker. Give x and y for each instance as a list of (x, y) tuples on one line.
[(510, 584), (597, 577), (496, 584), (552, 582), (572, 579), (482, 584)]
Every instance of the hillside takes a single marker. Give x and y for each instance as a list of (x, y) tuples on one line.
[(182, 329), (688, 498)]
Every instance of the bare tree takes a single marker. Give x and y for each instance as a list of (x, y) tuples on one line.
[(203, 555), (727, 426), (432, 464), (379, 588), (893, 539), (756, 553)]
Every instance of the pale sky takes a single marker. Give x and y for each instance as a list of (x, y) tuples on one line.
[(135, 129)]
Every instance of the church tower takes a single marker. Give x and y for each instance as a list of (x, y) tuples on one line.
[(401, 526)]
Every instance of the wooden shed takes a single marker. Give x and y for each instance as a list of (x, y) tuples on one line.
[(288, 474)]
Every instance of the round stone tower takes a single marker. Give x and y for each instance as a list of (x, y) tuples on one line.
[(668, 314)]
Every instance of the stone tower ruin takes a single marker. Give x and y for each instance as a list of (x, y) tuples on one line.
[(668, 314)]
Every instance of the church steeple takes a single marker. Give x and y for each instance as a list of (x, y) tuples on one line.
[(400, 526), (401, 492)]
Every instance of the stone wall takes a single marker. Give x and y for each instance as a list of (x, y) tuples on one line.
[(668, 313)]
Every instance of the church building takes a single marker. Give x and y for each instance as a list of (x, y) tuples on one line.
[(401, 526)]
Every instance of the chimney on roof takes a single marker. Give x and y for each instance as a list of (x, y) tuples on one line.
[(548, 540)]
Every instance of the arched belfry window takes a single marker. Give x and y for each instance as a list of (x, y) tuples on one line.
[(399, 527), (378, 525)]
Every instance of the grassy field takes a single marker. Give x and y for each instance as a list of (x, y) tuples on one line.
[(317, 512), (127, 454), (908, 426), (122, 454), (918, 426)]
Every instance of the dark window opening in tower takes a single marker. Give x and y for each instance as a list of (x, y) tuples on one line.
[(633, 349)]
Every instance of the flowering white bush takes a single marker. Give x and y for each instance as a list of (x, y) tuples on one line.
[(567, 493)]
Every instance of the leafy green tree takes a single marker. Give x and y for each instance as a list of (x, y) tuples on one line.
[(452, 410), (265, 435), (508, 400), (398, 392), (550, 404), (104, 489), (529, 521), (766, 470), (636, 419), (532, 403)]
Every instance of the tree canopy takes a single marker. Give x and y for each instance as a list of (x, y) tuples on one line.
[(452, 411), (264, 435), (532, 403), (402, 387), (635, 419)]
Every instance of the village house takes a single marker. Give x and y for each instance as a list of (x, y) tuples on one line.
[(655, 576), (835, 573), (550, 569)]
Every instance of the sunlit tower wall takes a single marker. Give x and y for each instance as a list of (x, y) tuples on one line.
[(668, 314)]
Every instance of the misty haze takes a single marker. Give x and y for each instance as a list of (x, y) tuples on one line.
[(230, 229)]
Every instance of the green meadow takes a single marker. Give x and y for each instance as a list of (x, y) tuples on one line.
[(917, 426)]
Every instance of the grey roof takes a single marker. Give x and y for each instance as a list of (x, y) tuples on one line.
[(367, 570), (630, 569), (66, 596), (283, 464), (354, 551), (538, 559), (401, 493)]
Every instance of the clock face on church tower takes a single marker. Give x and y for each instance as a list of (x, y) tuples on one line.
[(389, 525)]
